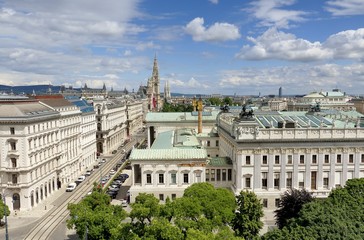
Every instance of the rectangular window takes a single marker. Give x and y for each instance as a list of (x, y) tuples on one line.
[(276, 159), (302, 159), (289, 159), (185, 178), (224, 174), (208, 143), (161, 197), (313, 180), (289, 180), (173, 196), (14, 179), (350, 175), (212, 176), (218, 174), (248, 182), (173, 178), (161, 178), (149, 178), (314, 159), (265, 160), (362, 158), (265, 202), (338, 158), (327, 159), (13, 162), (351, 158), (13, 146), (301, 182), (276, 180), (229, 174), (276, 202), (264, 180), (247, 160), (338, 176), (326, 180), (207, 175), (12, 131), (217, 143)]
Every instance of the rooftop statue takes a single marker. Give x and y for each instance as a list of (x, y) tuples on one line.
[(244, 114), (225, 108)]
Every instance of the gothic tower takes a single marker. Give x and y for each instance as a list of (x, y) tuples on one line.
[(153, 92)]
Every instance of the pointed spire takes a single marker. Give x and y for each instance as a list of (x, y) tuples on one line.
[(104, 87), (155, 67), (85, 87)]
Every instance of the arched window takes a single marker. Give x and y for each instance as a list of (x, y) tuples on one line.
[(16, 201)]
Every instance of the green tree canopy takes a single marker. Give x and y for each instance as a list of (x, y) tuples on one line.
[(340, 216), (97, 216), (215, 101), (228, 101), (2, 205), (247, 221), (290, 205)]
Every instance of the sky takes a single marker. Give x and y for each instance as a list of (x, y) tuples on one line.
[(224, 47)]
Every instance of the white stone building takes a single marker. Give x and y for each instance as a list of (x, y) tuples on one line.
[(134, 110), (274, 151), (175, 161), (44, 143), (29, 152), (111, 120)]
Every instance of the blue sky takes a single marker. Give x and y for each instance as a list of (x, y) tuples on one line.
[(202, 46)]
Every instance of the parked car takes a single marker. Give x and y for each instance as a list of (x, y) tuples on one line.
[(88, 173), (80, 179), (124, 203), (112, 172), (103, 160), (71, 187)]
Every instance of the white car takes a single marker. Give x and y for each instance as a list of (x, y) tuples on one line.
[(124, 203), (71, 187), (112, 172)]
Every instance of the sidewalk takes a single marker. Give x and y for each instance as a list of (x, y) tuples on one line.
[(18, 219)]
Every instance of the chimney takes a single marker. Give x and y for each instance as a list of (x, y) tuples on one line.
[(199, 108)]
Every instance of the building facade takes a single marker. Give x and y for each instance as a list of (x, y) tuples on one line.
[(134, 111), (175, 161), (111, 120)]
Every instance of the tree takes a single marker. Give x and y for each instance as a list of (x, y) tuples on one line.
[(340, 216), (290, 205), (146, 207), (2, 205), (96, 216), (215, 101), (246, 222), (228, 101)]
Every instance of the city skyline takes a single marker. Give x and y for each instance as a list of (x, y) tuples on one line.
[(209, 46)]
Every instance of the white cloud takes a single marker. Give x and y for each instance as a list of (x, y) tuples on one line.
[(347, 44), (345, 7), (274, 44), (193, 83), (178, 85), (214, 1), (270, 13), (296, 79), (218, 32)]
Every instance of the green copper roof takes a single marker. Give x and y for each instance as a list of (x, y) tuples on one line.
[(179, 116), (168, 154), (219, 161)]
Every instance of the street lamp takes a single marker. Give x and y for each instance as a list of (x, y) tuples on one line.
[(6, 219)]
